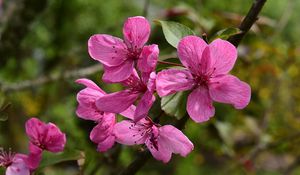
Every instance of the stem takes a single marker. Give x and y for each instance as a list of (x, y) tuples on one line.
[(170, 63), (247, 22)]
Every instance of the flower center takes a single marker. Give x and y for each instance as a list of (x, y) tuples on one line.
[(201, 80), (133, 53), (6, 158)]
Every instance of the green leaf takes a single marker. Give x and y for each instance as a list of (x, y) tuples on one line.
[(174, 31), (51, 159), (175, 104), (226, 33)]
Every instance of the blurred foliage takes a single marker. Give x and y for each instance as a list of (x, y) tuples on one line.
[(262, 139)]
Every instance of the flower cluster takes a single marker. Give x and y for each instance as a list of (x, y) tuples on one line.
[(42, 137), (132, 64)]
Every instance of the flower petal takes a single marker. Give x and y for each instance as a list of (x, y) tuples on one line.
[(222, 56), (178, 143), (162, 153), (129, 112), (118, 73), (35, 156), (144, 106), (106, 144), (199, 105), (136, 31), (190, 50), (18, 167), (89, 84), (148, 58), (129, 133), (104, 128), (231, 90), (109, 50), (87, 98), (173, 80), (34, 127), (116, 102), (55, 140)]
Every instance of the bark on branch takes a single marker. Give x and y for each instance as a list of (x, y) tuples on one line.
[(248, 21)]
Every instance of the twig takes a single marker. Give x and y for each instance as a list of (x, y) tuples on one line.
[(248, 21), (51, 78), (146, 8), (169, 63)]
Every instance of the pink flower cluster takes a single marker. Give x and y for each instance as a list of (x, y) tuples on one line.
[(42, 137), (132, 64)]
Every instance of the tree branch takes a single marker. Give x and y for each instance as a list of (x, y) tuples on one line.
[(248, 21), (51, 78)]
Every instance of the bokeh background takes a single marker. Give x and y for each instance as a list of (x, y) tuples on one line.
[(45, 42)]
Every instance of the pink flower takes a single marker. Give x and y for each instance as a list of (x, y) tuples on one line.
[(118, 56), (14, 163), (102, 134), (162, 141), (143, 87), (206, 75), (44, 136)]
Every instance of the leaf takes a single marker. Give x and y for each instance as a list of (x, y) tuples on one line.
[(174, 31), (175, 104), (51, 158), (226, 33)]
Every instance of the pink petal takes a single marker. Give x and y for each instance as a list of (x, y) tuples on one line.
[(34, 127), (229, 89), (55, 140), (199, 105), (144, 106), (18, 167), (109, 50), (129, 133), (129, 112), (173, 80), (222, 56), (87, 98), (103, 129), (148, 58), (132, 80), (118, 73), (106, 144), (190, 50), (178, 143), (89, 84), (162, 153), (136, 31), (116, 102), (88, 113), (34, 158)]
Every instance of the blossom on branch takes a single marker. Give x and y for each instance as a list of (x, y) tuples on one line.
[(206, 75)]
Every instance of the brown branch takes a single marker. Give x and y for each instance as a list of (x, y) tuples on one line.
[(248, 21), (169, 63), (51, 78)]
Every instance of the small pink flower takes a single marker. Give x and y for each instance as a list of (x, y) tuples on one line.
[(143, 87), (206, 75), (15, 164), (118, 56), (162, 141), (44, 136), (102, 133)]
